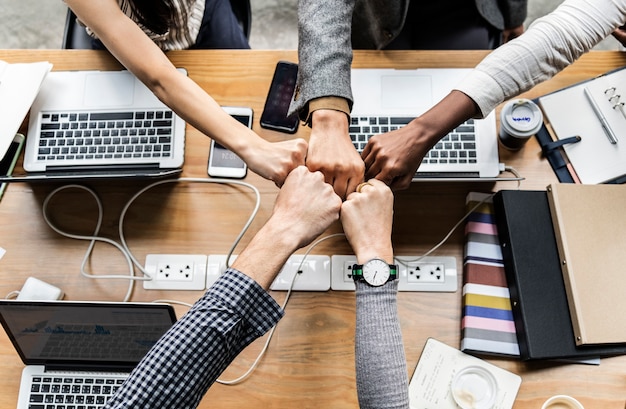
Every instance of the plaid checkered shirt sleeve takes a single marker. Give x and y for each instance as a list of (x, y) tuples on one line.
[(184, 363)]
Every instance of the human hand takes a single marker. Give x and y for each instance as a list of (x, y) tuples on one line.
[(509, 34), (274, 161), (367, 217), (331, 152), (305, 206), (394, 157), (620, 35)]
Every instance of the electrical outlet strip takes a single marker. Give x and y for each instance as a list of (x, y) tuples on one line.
[(176, 272), (341, 273), (435, 274), (216, 267), (315, 274)]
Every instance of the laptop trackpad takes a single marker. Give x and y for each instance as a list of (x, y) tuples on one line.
[(406, 91), (109, 90)]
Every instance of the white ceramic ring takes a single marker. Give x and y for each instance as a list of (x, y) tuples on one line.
[(562, 402)]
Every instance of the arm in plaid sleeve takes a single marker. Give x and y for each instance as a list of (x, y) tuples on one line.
[(236, 310), (181, 367)]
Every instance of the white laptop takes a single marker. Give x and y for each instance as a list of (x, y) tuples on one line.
[(101, 124), (386, 99), (77, 354)]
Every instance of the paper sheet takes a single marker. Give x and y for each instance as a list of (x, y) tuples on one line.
[(19, 85), (430, 385)]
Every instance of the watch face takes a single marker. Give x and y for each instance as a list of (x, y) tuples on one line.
[(376, 272)]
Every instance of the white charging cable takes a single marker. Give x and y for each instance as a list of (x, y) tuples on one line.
[(123, 247)]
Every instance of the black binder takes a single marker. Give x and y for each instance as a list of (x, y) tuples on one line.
[(535, 281)]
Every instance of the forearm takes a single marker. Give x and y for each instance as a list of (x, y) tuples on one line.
[(549, 45), (266, 254), (123, 38), (381, 371), (324, 51), (427, 129), (201, 111), (185, 362)]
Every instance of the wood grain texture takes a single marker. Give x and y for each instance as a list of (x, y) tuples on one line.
[(310, 361)]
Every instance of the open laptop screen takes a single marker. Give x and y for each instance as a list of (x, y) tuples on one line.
[(84, 333)]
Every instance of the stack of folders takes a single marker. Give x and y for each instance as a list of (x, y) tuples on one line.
[(487, 326), (547, 300)]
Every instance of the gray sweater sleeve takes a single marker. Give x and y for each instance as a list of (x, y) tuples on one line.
[(324, 52), (381, 370)]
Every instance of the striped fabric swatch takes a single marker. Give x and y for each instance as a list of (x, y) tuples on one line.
[(487, 325)]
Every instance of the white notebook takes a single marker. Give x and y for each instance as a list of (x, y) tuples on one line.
[(570, 112)]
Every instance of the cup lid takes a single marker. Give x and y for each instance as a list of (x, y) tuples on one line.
[(522, 116), (474, 387)]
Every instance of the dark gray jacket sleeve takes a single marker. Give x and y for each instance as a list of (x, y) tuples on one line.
[(503, 14), (324, 51)]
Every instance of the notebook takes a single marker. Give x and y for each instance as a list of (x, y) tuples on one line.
[(594, 111), (101, 124), (79, 353), (590, 227), (386, 99)]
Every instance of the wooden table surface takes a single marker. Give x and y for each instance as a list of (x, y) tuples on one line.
[(310, 361)]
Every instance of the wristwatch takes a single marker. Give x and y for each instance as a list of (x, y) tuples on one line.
[(375, 272)]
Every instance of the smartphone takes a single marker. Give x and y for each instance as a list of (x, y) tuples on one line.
[(7, 164), (279, 97), (222, 162)]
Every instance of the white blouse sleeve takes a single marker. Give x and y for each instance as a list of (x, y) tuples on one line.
[(549, 45)]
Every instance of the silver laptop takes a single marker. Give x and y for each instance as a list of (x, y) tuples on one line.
[(101, 124), (77, 354), (387, 99)]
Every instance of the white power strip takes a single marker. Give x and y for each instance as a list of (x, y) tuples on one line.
[(317, 273), (433, 274), (314, 273), (176, 272)]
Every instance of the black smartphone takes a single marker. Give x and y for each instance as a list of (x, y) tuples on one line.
[(222, 162), (279, 97), (7, 163)]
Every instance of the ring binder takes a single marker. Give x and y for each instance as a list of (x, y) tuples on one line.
[(594, 110), (614, 99)]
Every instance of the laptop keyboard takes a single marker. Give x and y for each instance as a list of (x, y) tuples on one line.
[(459, 146), (71, 392), (105, 136)]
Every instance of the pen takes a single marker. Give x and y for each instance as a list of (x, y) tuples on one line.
[(605, 124)]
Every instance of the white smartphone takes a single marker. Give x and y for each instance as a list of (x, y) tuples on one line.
[(222, 162)]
